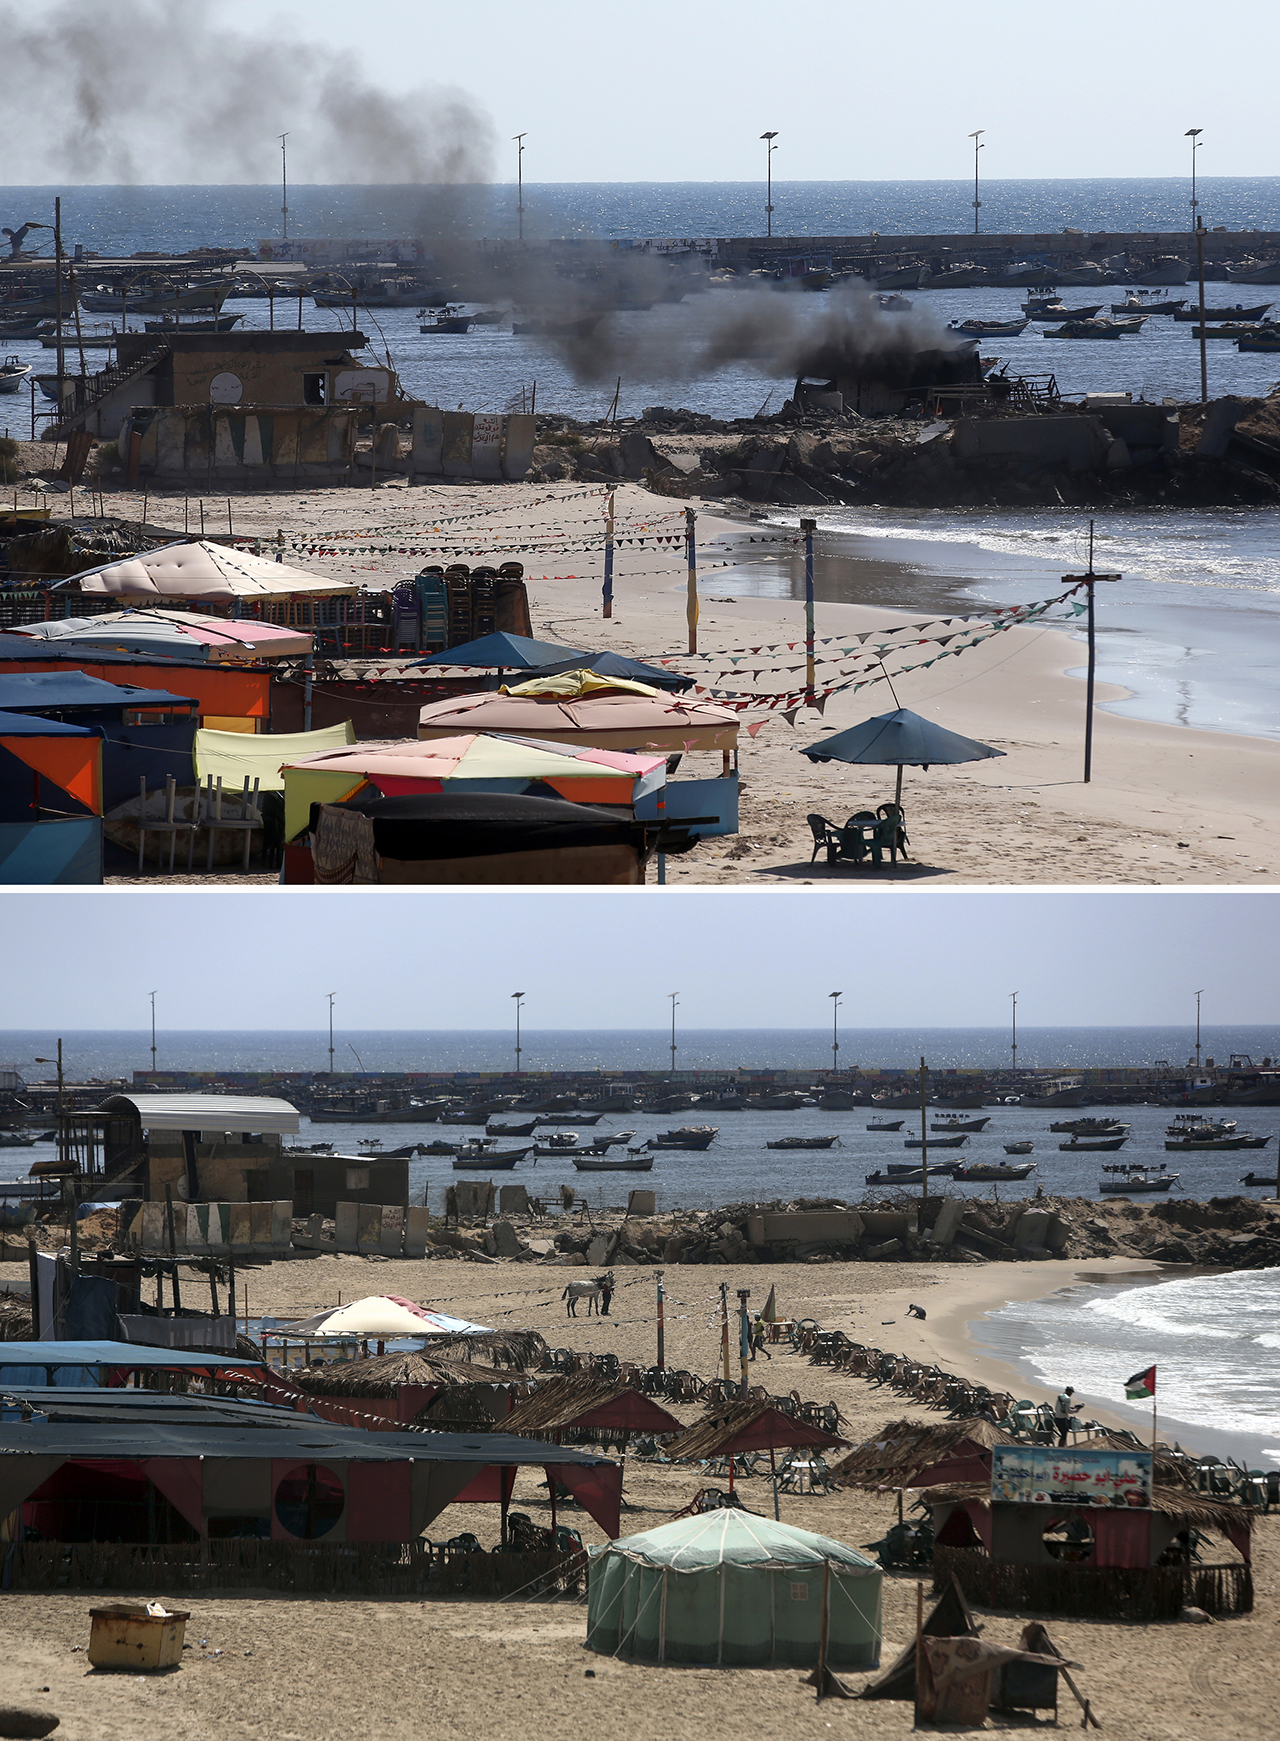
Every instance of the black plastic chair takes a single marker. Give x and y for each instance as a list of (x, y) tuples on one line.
[(825, 834)]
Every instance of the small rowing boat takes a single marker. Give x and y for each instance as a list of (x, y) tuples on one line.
[(1093, 1145), (634, 1161), (883, 1125), (803, 1142), (937, 1142), (994, 1172)]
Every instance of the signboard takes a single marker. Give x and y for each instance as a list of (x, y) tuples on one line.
[(1045, 1475)]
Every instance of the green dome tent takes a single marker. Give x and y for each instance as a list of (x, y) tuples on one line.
[(732, 1588)]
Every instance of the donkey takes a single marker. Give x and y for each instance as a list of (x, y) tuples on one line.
[(588, 1291)]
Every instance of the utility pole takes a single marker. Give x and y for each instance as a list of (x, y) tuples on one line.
[(1199, 995), (1089, 581), (57, 294), (924, 1130), (977, 147), (769, 149), (662, 1325), (331, 996), (1204, 324), (724, 1329), (518, 997), (808, 527), (691, 588), (607, 589), (835, 997), (518, 141), (1014, 1047), (284, 189), (153, 1033), (673, 995)]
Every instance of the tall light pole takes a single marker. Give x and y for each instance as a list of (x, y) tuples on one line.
[(977, 147), (673, 995), (835, 997), (518, 997), (769, 149), (1199, 995), (517, 140), (1014, 1047), (284, 185), (153, 1032), (1193, 134), (331, 995)]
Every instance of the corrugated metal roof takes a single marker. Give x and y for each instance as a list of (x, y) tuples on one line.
[(238, 1112), (125, 1354)]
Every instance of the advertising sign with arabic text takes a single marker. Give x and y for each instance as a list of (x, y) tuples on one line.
[(1045, 1475)]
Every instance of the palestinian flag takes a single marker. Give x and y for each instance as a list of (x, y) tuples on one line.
[(1142, 1386)]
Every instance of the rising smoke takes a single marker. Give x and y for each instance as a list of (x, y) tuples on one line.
[(150, 91)]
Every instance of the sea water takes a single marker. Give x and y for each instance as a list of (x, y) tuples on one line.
[(1214, 1340)]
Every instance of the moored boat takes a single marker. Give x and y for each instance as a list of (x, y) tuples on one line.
[(1089, 1127), (956, 1123), (994, 1172), (479, 1155), (1094, 329), (989, 329), (1137, 304), (569, 1118), (1121, 1180), (692, 1136), (1057, 311), (803, 1142), (889, 1124), (634, 1161), (1094, 1145), (13, 372), (1021, 1148), (937, 1142), (1239, 312)]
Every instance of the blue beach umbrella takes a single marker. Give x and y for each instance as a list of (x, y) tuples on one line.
[(505, 652), (900, 739)]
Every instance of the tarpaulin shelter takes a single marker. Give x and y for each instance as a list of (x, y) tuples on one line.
[(471, 760), (900, 739), (145, 732), (177, 634), (616, 665), (220, 691), (106, 1363), (730, 1588), (501, 652), (46, 764), (382, 1316), (477, 837), (201, 569), (260, 755), (607, 721), (68, 850)]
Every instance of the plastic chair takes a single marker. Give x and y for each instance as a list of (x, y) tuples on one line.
[(825, 834)]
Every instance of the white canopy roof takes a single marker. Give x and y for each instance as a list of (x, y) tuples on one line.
[(381, 1315), (203, 570), (238, 1112)]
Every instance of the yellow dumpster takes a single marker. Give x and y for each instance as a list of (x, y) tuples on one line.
[(136, 1635)]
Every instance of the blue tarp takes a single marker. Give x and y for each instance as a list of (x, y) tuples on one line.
[(31, 725), (901, 739), (52, 691), (506, 652), (615, 665), (30, 650), (65, 851), (110, 1353)]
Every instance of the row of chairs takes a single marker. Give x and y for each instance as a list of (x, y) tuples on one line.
[(867, 834)]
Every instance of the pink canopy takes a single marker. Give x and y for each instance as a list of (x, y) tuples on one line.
[(615, 722)]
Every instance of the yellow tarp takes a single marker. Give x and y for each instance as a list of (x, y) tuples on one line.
[(572, 683), (234, 754)]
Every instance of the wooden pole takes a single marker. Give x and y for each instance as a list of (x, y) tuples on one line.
[(919, 1650), (691, 597), (808, 527), (662, 1327), (924, 1132), (608, 556), (822, 1627), (1204, 354), (744, 1342), (724, 1329)]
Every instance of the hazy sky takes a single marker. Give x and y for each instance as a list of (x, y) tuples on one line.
[(740, 960), (673, 91)]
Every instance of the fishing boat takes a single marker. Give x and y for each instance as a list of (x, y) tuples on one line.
[(1259, 341), (13, 331), (691, 1136), (524, 1129), (468, 1115), (907, 1175), (989, 329), (1055, 311), (222, 323), (491, 317), (634, 1161), (13, 372), (883, 1124), (1093, 1145), (544, 326), (569, 1118), (937, 1142), (1196, 1124), (450, 319), (1089, 1127), (1094, 329), (956, 1123), (1021, 1148), (994, 1172), (1137, 304), (1223, 1144), (1239, 312), (556, 1142), (778, 1102), (1258, 1179), (1123, 1180), (1233, 330), (80, 341), (895, 1102), (481, 1156), (803, 1142), (17, 1139)]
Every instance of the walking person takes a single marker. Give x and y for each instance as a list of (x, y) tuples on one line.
[(1063, 1410), (606, 1294), (757, 1339)]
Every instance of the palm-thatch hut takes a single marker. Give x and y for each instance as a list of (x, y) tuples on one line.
[(922, 1454), (581, 1409), (16, 1324), (403, 1387), (733, 1429)]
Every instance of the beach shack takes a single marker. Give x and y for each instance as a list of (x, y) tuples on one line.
[(50, 801), (145, 733), (1089, 1531), (226, 698)]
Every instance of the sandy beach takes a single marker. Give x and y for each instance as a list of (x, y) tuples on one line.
[(319, 1669), (1166, 805)]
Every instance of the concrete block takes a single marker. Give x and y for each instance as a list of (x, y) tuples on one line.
[(947, 1221), (416, 1231), (220, 1228), (886, 1248), (1031, 1227), (887, 1223), (506, 1240), (282, 1224), (391, 1239), (260, 1223), (346, 1225), (1219, 423), (1058, 1234), (195, 1236), (642, 1203), (598, 1250), (517, 446), (816, 1227), (154, 1233), (1077, 443), (428, 438), (240, 1230), (368, 1226), (472, 1197), (513, 1200)]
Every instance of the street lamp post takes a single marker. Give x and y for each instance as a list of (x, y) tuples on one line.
[(673, 995), (977, 147), (1193, 134), (518, 141), (331, 995), (769, 149), (518, 999), (835, 997), (284, 190), (1199, 995), (1014, 1047)]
